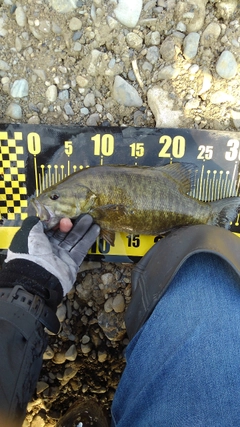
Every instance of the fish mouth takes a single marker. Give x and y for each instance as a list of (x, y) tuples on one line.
[(45, 214)]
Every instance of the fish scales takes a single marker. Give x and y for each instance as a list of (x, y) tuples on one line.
[(141, 200)]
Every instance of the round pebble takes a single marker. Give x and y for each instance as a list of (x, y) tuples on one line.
[(118, 304), (19, 88), (75, 24), (14, 111), (226, 66), (51, 93)]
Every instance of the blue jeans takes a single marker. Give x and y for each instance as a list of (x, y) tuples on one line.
[(183, 365)]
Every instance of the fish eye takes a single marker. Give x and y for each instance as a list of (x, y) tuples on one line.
[(54, 197)]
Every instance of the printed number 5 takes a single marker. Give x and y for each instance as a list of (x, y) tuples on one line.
[(68, 147)]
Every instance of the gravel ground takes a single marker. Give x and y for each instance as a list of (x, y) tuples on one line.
[(164, 63)]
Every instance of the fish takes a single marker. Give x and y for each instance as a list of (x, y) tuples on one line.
[(133, 199)]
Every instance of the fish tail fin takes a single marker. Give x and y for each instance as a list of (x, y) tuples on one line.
[(224, 212)]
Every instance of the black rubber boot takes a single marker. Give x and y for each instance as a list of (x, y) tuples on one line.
[(84, 413), (154, 273)]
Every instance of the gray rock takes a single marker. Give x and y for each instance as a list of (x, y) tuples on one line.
[(68, 109), (152, 54), (4, 66), (93, 120), (167, 73), (89, 100), (41, 386), (20, 16), (128, 12), (14, 111), (77, 35), (125, 94), (84, 111), (226, 66), (167, 49), (63, 6), (134, 41), (19, 88), (71, 353), (51, 93), (118, 304), (112, 324), (56, 29), (85, 339), (190, 45), (162, 107), (86, 348), (63, 94)]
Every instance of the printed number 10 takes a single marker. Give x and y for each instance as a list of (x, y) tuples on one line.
[(103, 144)]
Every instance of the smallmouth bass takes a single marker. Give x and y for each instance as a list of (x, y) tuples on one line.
[(133, 199)]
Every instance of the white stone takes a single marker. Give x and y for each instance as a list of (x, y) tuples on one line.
[(128, 12), (162, 108), (19, 88), (220, 97), (63, 6), (20, 17), (51, 93)]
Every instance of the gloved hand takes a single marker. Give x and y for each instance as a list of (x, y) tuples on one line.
[(59, 253)]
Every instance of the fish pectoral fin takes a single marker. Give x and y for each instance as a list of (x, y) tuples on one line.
[(109, 236)]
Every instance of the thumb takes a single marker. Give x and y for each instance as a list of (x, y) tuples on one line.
[(19, 243)]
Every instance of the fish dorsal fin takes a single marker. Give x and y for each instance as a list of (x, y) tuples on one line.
[(183, 174)]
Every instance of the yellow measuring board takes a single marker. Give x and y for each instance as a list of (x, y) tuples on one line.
[(34, 157)]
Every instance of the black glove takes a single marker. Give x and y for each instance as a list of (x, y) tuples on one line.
[(58, 253)]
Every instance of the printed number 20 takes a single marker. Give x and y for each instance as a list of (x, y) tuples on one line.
[(172, 147)]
